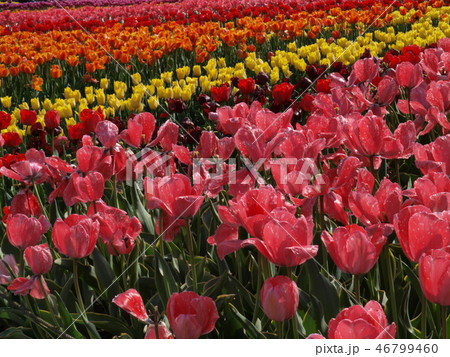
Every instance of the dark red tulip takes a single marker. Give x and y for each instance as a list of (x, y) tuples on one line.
[(25, 231), (75, 236), (28, 117), (131, 302), (39, 258), (191, 315), (279, 298), (358, 322), (434, 275), (353, 249), (419, 230)]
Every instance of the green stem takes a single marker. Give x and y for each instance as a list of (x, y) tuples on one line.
[(424, 317), (191, 253), (392, 297), (294, 318), (77, 286), (280, 329), (258, 288), (444, 321), (47, 302), (357, 279), (21, 263)]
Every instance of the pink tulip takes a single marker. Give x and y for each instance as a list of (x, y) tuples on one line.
[(131, 302), (191, 315), (163, 332), (279, 298), (75, 236), (174, 194), (353, 249), (434, 275), (107, 132), (140, 129), (408, 75), (39, 258), (358, 322), (419, 230), (25, 231)]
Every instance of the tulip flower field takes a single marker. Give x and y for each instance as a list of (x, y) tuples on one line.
[(252, 169)]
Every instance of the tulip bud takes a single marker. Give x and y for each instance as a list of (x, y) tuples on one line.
[(279, 298), (39, 258)]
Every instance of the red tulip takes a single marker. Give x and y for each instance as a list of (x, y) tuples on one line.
[(52, 119), (5, 120), (11, 139), (163, 332), (25, 231), (28, 117), (174, 194), (75, 236), (279, 298), (358, 322), (90, 118), (131, 302), (387, 90), (222, 93), (107, 132), (419, 230), (353, 249), (282, 93), (246, 86), (434, 275), (191, 315), (39, 258)]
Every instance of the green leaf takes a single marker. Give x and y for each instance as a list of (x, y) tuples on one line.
[(165, 281), (143, 215), (14, 332), (66, 319), (11, 314), (323, 290), (249, 327), (105, 275)]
